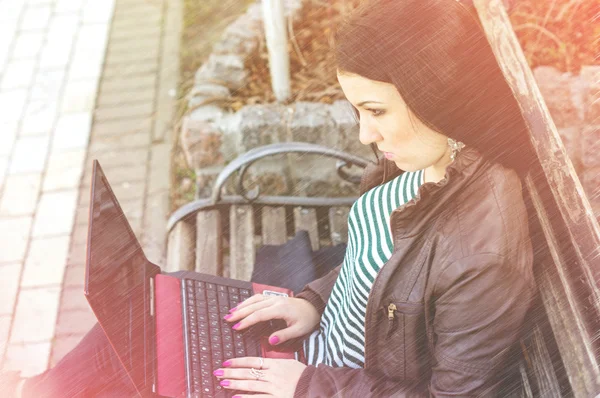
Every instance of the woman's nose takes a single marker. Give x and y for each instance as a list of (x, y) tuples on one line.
[(367, 134)]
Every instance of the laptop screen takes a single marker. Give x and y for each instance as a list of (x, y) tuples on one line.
[(115, 279)]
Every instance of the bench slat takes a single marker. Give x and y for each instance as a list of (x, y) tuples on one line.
[(209, 249), (180, 249), (273, 225), (338, 224), (243, 253), (306, 219)]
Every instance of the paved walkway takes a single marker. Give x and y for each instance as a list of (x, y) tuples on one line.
[(79, 80)]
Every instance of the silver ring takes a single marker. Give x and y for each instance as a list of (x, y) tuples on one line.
[(259, 374), (261, 362)]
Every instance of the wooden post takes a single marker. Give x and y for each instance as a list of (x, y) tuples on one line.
[(277, 38)]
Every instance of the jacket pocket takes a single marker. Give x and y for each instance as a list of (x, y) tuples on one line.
[(405, 331)]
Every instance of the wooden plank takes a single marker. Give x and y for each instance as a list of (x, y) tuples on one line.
[(242, 255), (180, 247), (338, 224), (209, 245), (273, 225), (306, 219), (568, 283)]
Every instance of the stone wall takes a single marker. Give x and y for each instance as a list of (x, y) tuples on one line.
[(212, 136)]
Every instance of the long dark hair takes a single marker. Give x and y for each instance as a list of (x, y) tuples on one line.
[(437, 55)]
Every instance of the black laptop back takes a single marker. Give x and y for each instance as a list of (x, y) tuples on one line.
[(117, 282)]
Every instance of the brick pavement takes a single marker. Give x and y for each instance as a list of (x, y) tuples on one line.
[(79, 80)]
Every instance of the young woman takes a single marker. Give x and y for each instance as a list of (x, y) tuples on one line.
[(433, 291), (437, 278)]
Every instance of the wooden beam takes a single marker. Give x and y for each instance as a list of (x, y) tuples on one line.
[(243, 254), (306, 219), (569, 285), (273, 225), (338, 224), (180, 247), (209, 245)]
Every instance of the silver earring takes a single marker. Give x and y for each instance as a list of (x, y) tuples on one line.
[(456, 146)]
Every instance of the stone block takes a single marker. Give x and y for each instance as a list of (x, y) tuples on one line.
[(31, 358), (124, 111), (313, 123), (18, 74), (200, 93), (55, 213), (75, 275), (590, 75), (38, 305), (12, 103), (20, 194), (73, 298), (14, 235), (208, 113), (79, 96), (8, 135), (258, 125), (64, 170), (201, 143), (590, 146), (72, 131), (28, 44), (40, 116), (46, 261), (36, 18), (120, 142), (29, 155), (228, 68), (560, 97), (122, 127), (9, 287)]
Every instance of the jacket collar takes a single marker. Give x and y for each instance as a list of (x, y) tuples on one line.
[(431, 197)]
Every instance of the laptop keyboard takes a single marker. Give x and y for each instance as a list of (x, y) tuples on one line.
[(210, 339)]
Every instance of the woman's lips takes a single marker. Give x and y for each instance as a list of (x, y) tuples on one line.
[(388, 155)]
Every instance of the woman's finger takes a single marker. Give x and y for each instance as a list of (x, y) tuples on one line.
[(247, 385), (266, 313), (251, 300), (248, 362), (241, 313), (253, 396)]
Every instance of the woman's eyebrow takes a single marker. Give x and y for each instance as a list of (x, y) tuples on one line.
[(364, 102)]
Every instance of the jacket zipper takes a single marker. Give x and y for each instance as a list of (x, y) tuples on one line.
[(391, 308)]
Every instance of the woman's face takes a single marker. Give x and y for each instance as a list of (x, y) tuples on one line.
[(384, 120)]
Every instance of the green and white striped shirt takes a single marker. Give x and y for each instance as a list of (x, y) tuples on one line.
[(340, 339)]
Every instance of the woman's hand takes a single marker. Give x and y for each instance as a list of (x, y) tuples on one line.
[(277, 377), (300, 316)]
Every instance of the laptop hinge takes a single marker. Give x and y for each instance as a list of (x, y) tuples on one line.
[(152, 316), (151, 297)]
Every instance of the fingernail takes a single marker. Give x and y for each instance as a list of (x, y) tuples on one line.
[(237, 325), (224, 383), (227, 363), (274, 340), (218, 372), (233, 309), (227, 316)]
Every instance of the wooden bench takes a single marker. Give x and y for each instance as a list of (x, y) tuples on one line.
[(219, 235)]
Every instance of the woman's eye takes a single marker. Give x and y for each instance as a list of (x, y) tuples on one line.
[(376, 112)]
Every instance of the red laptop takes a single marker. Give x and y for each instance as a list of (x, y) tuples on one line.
[(167, 330)]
